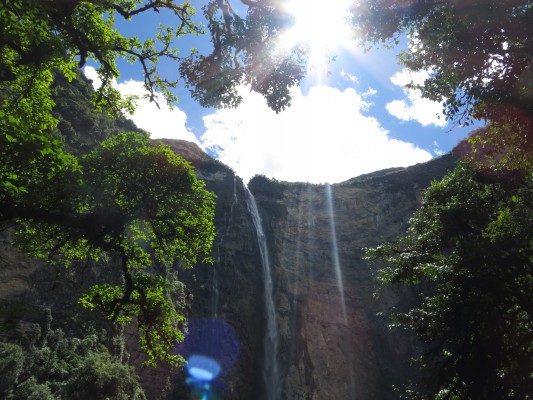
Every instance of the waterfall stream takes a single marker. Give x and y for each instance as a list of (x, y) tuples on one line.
[(271, 374)]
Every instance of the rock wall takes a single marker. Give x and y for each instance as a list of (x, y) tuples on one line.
[(333, 343)]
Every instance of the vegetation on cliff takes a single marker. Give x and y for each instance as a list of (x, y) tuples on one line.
[(47, 364)]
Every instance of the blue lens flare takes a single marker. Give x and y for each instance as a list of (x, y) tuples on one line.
[(202, 368), (212, 339), (211, 349)]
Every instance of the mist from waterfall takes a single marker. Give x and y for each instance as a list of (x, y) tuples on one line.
[(271, 373)]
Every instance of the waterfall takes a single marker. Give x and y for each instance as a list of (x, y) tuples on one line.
[(270, 364)]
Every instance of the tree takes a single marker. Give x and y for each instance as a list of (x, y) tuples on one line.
[(139, 202), (479, 57), (468, 252)]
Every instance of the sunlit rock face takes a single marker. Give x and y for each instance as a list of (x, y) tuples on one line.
[(332, 343)]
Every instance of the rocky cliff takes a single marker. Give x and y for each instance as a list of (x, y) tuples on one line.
[(332, 343)]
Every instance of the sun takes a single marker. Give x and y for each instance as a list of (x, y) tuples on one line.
[(322, 26)]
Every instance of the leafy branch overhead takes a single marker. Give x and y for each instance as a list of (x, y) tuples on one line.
[(479, 56), (65, 34)]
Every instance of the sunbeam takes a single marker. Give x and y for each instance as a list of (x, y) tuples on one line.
[(335, 250)]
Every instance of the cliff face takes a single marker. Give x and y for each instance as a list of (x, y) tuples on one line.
[(332, 343), (230, 289)]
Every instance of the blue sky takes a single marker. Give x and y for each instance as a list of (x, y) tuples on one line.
[(349, 117)]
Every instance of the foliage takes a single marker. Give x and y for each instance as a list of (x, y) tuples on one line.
[(479, 56), (53, 366), (11, 363), (244, 52), (142, 203), (468, 251), (267, 185), (80, 126)]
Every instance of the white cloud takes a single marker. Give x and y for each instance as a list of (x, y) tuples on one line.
[(159, 122), (437, 149), (322, 137), (350, 77), (415, 108)]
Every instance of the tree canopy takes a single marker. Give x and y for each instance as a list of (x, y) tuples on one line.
[(468, 252), (479, 56), (137, 201)]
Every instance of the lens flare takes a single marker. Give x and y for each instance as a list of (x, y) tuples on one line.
[(202, 367), (322, 26)]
